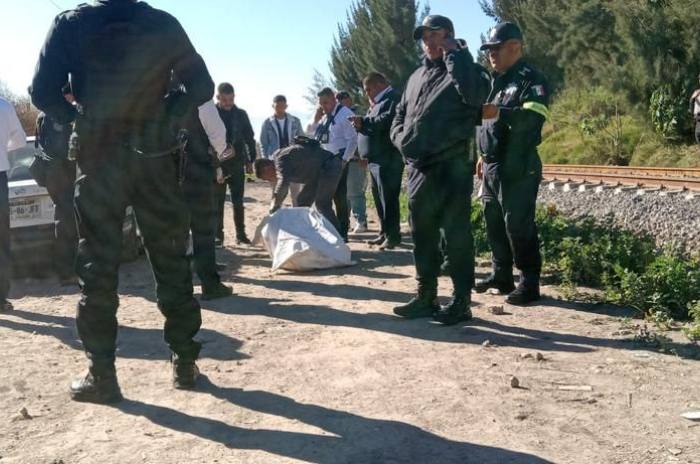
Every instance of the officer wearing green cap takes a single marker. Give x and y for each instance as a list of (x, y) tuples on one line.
[(510, 167)]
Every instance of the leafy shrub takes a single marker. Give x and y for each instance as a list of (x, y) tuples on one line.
[(665, 288), (669, 113), (585, 252)]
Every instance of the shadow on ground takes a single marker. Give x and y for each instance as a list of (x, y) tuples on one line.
[(133, 343), (349, 438)]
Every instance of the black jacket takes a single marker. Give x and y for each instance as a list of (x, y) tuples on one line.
[(442, 103), (239, 133), (374, 140), (522, 95), (120, 56)]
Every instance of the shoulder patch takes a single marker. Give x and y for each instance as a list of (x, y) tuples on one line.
[(539, 90)]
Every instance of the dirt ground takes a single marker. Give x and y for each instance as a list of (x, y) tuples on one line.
[(315, 368)]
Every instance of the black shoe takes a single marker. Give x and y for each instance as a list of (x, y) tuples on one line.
[(389, 244), (219, 242), (523, 295), (185, 374), (377, 241), (243, 241), (218, 291), (425, 304), (221, 266), (504, 286), (6, 306), (456, 311), (99, 389)]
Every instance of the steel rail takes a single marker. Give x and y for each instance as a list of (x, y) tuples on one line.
[(642, 177)]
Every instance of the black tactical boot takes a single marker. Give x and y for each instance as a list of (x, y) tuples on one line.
[(216, 292), (185, 373), (376, 241), (454, 312), (425, 304), (523, 295), (504, 285), (98, 386)]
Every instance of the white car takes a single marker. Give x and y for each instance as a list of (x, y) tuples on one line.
[(32, 230)]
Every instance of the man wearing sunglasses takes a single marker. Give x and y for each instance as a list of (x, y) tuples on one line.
[(510, 166)]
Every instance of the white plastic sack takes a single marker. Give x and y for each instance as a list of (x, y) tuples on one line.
[(301, 239)]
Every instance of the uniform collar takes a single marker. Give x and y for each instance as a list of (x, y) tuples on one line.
[(519, 65)]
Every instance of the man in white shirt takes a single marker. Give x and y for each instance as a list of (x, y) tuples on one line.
[(206, 138), (12, 137), (695, 111), (332, 127)]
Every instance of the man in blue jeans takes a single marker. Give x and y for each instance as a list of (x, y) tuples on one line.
[(357, 178)]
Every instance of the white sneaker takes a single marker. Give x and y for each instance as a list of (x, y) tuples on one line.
[(360, 228)]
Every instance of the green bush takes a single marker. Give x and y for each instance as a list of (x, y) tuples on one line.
[(693, 332), (585, 252), (595, 126), (666, 288), (669, 113)]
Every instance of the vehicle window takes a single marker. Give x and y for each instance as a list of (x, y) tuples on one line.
[(20, 160)]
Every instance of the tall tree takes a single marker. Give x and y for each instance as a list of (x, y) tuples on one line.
[(377, 36)]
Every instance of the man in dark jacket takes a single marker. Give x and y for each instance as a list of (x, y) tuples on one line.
[(510, 166), (433, 127), (240, 135), (317, 169), (385, 162), (120, 56), (52, 137)]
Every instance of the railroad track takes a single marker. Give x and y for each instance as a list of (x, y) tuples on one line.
[(687, 179)]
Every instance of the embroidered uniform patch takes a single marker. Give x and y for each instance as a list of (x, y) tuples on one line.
[(538, 90)]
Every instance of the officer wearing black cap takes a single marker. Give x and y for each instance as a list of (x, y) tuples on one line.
[(121, 56), (433, 128), (695, 111), (510, 166)]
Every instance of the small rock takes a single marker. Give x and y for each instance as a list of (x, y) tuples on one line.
[(23, 414), (514, 382), (526, 356), (486, 343), (540, 357), (497, 310), (522, 416), (675, 451)]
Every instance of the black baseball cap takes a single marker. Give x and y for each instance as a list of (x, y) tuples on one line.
[(433, 23), (503, 32)]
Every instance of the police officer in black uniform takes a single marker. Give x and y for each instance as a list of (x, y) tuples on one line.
[(433, 129), (120, 56), (59, 178), (510, 165)]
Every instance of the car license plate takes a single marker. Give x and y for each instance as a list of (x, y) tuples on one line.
[(29, 208)]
